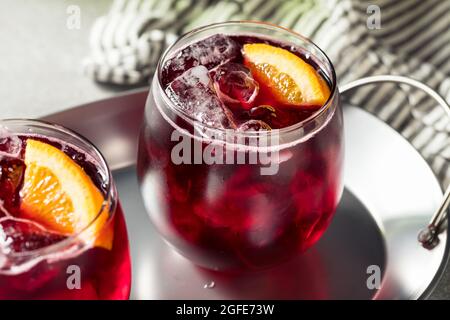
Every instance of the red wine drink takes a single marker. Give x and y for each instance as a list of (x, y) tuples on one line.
[(62, 230), (240, 157)]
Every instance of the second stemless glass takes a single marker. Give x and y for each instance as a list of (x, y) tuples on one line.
[(101, 273), (230, 216)]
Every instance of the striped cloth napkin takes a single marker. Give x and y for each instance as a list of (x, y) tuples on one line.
[(413, 40)]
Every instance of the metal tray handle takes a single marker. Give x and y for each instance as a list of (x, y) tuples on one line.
[(429, 236)]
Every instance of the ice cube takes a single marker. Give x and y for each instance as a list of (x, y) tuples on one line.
[(193, 93), (10, 144), (215, 50), (209, 52), (3, 211), (254, 125), (20, 235), (11, 178), (235, 85), (263, 112), (3, 260)]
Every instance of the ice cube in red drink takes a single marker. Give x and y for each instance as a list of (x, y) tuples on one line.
[(21, 235), (193, 93), (235, 85), (209, 52)]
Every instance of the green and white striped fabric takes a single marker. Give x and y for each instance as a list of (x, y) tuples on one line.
[(413, 40)]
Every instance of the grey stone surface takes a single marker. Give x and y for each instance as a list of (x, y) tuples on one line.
[(41, 59)]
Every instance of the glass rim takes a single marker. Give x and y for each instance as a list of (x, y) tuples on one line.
[(110, 198), (248, 134)]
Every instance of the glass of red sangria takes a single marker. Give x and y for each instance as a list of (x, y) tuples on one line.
[(241, 153), (62, 230)]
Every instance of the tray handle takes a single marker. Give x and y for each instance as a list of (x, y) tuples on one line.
[(429, 236)]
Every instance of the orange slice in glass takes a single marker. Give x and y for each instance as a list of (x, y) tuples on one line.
[(289, 79), (59, 195)]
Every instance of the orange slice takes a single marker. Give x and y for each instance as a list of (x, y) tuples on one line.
[(58, 194), (286, 76)]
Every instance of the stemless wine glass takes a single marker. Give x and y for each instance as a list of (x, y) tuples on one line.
[(38, 264), (232, 215)]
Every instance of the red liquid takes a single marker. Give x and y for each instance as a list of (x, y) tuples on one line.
[(229, 216), (105, 274)]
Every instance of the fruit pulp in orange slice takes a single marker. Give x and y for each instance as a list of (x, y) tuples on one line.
[(287, 77)]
